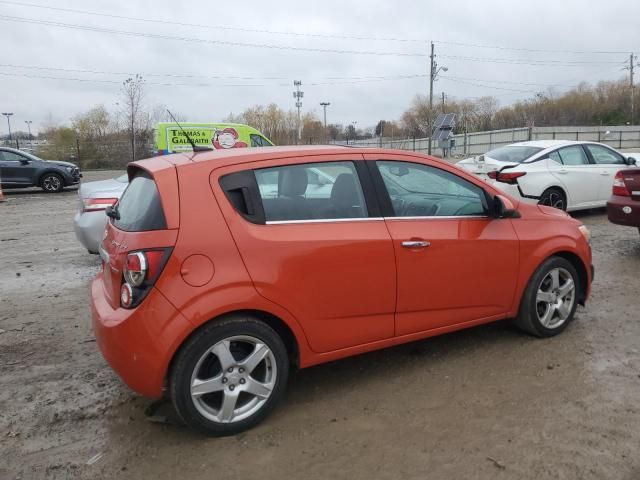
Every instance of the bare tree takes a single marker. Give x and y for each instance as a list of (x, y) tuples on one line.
[(132, 98)]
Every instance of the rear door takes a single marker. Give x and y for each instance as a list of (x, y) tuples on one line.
[(609, 161), (580, 178), (312, 239), (455, 263), (13, 171)]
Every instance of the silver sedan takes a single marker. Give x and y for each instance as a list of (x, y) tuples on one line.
[(90, 221)]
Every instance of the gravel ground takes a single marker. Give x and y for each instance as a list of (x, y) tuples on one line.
[(488, 402)]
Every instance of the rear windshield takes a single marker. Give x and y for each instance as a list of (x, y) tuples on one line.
[(513, 153), (139, 207)]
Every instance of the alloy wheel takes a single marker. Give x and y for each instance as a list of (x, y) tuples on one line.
[(51, 183), (553, 199), (555, 298), (233, 379)]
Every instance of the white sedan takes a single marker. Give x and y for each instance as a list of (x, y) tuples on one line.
[(564, 174)]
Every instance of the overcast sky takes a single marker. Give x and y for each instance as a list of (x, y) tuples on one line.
[(397, 32)]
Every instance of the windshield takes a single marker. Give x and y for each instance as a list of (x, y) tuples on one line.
[(122, 178), (513, 153)]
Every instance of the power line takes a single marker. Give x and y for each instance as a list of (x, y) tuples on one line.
[(203, 40), (331, 81), (515, 61), (174, 23)]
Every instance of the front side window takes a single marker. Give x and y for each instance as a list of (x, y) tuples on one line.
[(602, 155), (259, 141), (12, 157), (573, 155), (418, 190), (312, 191)]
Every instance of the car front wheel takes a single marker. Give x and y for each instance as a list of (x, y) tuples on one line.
[(52, 183), (229, 376), (550, 299)]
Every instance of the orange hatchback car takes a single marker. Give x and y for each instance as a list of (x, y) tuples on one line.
[(223, 271)]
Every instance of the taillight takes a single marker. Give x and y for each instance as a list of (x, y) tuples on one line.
[(97, 204), (506, 177), (619, 187), (141, 271)]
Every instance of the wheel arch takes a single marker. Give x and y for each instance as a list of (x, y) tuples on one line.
[(50, 170), (583, 276), (276, 323)]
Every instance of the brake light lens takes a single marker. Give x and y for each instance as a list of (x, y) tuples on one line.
[(97, 204), (506, 177), (141, 271), (619, 187)]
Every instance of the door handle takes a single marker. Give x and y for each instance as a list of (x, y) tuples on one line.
[(606, 174), (416, 244), (563, 171)]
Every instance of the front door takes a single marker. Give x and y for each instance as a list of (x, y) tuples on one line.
[(320, 250), (610, 162), (12, 171), (455, 264), (580, 179)]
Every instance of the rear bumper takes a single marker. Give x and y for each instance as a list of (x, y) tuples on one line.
[(623, 211), (89, 228), (139, 343)]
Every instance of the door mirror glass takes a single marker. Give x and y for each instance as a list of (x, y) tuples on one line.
[(399, 171), (632, 161), (503, 207)]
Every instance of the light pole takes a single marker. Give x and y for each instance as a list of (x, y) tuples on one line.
[(29, 122), (432, 77), (8, 115), (324, 106), (297, 94)]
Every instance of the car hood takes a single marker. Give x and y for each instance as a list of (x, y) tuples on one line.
[(61, 164), (102, 189), (482, 164)]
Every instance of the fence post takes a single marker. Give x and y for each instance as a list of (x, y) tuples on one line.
[(465, 142), (530, 133), (414, 142), (513, 135), (490, 141), (553, 135), (620, 140)]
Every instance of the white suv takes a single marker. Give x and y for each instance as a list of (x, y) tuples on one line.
[(564, 174)]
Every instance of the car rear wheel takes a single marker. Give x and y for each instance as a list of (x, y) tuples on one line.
[(553, 197), (550, 299), (229, 376), (52, 183)]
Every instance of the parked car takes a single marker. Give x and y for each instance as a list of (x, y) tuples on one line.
[(19, 169), (623, 207), (563, 174), (213, 288), (94, 197)]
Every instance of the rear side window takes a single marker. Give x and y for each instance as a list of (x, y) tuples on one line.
[(312, 191), (140, 208), (573, 155)]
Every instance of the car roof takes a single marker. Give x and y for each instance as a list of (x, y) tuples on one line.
[(235, 156), (546, 143)]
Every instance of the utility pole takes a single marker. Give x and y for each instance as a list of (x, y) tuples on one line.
[(431, 75), (324, 106), (29, 122), (8, 115), (297, 94)]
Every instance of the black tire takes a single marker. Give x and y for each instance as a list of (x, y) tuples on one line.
[(554, 197), (528, 318), (193, 410), (51, 183)]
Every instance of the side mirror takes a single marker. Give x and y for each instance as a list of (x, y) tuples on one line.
[(504, 208), (632, 161), (24, 161)]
